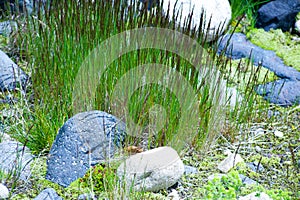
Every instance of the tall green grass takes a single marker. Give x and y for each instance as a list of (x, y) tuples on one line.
[(59, 39), (247, 9)]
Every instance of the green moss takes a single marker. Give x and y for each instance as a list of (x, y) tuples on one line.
[(279, 42), (240, 71)]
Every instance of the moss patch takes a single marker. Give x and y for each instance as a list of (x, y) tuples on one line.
[(281, 43)]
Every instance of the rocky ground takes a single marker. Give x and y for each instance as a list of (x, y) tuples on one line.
[(268, 148)]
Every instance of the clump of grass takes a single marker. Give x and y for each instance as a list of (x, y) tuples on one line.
[(58, 40), (248, 10)]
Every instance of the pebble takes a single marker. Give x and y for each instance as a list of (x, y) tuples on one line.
[(278, 134), (4, 193)]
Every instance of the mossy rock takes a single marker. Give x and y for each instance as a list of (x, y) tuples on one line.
[(281, 43)]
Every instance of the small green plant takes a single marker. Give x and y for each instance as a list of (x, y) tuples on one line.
[(247, 8), (100, 178), (226, 187)]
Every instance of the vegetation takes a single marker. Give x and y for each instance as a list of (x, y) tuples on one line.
[(52, 45)]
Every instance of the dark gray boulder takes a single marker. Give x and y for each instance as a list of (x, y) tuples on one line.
[(48, 194), (85, 139), (11, 75), (282, 92), (278, 14), (237, 46)]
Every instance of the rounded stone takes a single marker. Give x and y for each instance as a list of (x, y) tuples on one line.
[(4, 193), (152, 170)]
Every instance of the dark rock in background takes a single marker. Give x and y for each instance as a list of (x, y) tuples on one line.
[(282, 92), (11, 75), (278, 14), (85, 139)]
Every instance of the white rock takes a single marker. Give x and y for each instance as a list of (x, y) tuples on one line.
[(259, 131), (234, 97), (174, 195), (152, 170), (218, 10), (229, 162), (4, 193), (219, 176), (255, 196), (278, 134), (297, 26)]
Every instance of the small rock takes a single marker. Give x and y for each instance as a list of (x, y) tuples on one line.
[(190, 170), (14, 154), (234, 97), (4, 193), (10, 74), (211, 177), (7, 27), (256, 196), (257, 149), (152, 170), (87, 196), (259, 131), (48, 194), (297, 26), (229, 162), (85, 139), (246, 180), (174, 195), (278, 134), (254, 167)]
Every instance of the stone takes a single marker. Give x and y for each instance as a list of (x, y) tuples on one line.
[(256, 196), (7, 27), (217, 12), (151, 170), (237, 46), (297, 26), (246, 180), (190, 170), (11, 74), (255, 167), (48, 194), (4, 193), (234, 96), (87, 196), (174, 195), (84, 140), (14, 156), (229, 162), (279, 134), (282, 92), (218, 176), (278, 14)]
